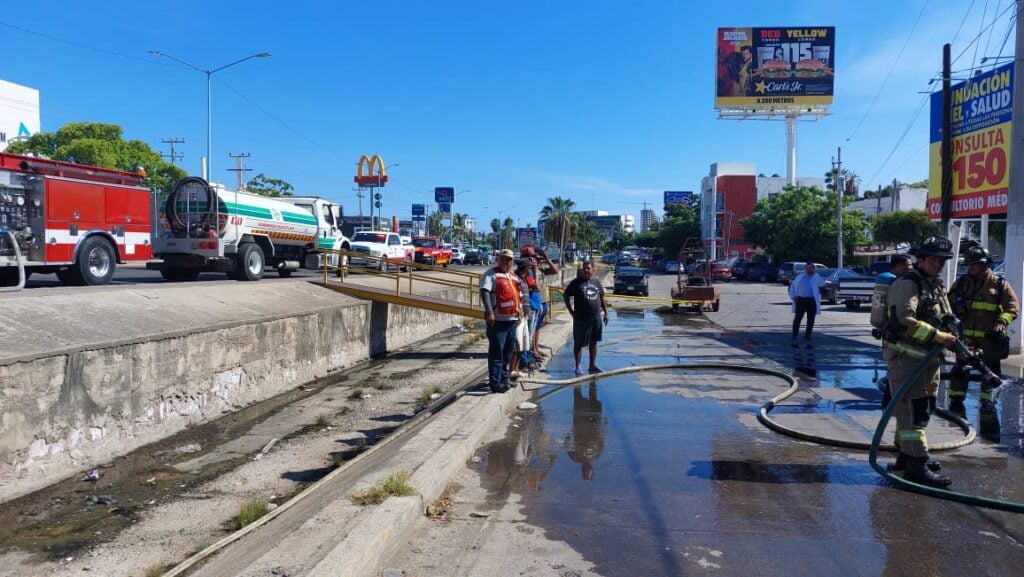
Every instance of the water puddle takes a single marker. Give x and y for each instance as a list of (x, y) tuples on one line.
[(670, 472)]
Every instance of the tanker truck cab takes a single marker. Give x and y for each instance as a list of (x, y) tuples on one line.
[(204, 227)]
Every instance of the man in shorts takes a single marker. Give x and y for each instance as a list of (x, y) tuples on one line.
[(584, 300)]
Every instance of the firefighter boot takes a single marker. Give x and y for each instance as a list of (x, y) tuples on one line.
[(901, 464), (988, 421), (917, 472)]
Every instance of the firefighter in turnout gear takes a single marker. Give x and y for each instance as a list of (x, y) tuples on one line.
[(985, 305), (917, 304)]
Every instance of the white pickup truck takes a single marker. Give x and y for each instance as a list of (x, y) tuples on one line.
[(381, 245), (854, 290)]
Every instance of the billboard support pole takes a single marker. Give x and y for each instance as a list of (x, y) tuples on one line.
[(791, 149), (1015, 196)]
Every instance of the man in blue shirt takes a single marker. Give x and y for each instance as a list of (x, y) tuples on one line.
[(805, 292)]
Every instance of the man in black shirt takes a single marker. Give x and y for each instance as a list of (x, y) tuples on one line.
[(585, 301)]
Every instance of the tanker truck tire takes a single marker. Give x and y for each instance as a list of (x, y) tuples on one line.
[(249, 262)]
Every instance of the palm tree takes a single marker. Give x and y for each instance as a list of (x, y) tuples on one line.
[(459, 231), (508, 233), (435, 223), (559, 226)]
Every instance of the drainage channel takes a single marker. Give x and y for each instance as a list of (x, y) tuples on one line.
[(271, 450)]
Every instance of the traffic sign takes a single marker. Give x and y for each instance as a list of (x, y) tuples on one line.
[(444, 194)]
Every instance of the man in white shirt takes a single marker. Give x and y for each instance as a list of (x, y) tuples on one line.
[(805, 292)]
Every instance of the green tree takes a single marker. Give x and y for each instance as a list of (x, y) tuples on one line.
[(903, 226), (265, 186), (851, 181), (559, 226), (800, 224), (508, 233), (460, 232), (101, 144), (682, 223)]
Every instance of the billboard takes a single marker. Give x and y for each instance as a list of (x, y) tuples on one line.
[(444, 194), (375, 172), (19, 112), (444, 208), (980, 117), (678, 197), (419, 209), (774, 68)]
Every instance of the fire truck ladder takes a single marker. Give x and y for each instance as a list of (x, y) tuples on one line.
[(18, 262), (336, 279)]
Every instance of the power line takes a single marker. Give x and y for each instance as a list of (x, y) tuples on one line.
[(889, 74), (88, 47)]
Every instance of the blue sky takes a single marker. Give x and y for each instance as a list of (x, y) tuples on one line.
[(608, 103)]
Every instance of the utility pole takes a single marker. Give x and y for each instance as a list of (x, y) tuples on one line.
[(173, 155), (240, 169), (894, 201), (837, 182), (1015, 206), (946, 145)]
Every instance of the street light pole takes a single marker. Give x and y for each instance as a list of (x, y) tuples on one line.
[(209, 97)]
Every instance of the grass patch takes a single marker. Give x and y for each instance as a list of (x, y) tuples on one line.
[(356, 394), (156, 570), (323, 421), (394, 485), (425, 394), (250, 512)]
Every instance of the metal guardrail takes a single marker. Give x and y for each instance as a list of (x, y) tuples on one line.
[(21, 264), (343, 269)]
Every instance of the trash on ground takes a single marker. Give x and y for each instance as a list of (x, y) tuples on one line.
[(93, 475), (480, 514), (527, 406)]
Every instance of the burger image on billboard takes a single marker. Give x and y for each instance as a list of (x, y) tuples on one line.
[(812, 68), (776, 69)]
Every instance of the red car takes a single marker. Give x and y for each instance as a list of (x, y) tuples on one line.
[(719, 271)]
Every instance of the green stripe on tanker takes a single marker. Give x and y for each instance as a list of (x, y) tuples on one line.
[(299, 218)]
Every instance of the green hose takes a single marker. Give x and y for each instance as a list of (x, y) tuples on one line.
[(873, 447), (916, 487)]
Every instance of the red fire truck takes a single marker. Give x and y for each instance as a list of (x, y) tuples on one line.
[(74, 220)]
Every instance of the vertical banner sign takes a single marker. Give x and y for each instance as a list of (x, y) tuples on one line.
[(444, 194), (774, 68), (980, 117)]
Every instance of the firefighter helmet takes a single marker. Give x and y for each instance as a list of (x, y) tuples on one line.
[(977, 254), (934, 246)]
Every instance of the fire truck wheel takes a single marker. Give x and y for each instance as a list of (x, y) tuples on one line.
[(250, 261), (94, 266), (714, 306)]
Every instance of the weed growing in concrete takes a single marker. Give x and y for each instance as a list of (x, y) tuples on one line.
[(384, 385), (424, 400), (156, 570), (394, 485), (250, 512), (324, 421), (356, 394), (344, 410)]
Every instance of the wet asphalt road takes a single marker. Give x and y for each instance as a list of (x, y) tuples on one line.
[(669, 473)]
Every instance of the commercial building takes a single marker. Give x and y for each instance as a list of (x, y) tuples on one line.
[(648, 218), (19, 112), (728, 194)]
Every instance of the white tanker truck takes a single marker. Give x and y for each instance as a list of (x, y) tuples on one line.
[(204, 227)]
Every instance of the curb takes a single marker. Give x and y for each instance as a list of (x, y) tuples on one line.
[(463, 425)]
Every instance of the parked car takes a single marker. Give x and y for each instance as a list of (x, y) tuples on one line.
[(458, 256), (764, 272), (740, 267), (720, 271), (788, 270), (671, 266), (631, 280)]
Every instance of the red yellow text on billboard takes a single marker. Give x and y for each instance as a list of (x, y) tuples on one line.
[(774, 68), (980, 117)]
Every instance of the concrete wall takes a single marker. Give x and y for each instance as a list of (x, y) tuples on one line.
[(64, 410)]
